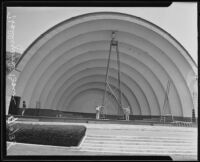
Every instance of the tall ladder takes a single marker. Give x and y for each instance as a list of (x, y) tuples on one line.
[(166, 101), (113, 43)]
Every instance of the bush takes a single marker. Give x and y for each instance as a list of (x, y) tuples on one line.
[(59, 135), (11, 58)]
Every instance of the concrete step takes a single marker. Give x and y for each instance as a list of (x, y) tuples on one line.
[(152, 129), (164, 133), (127, 144), (149, 135), (188, 141), (28, 119), (140, 151), (139, 137), (141, 148), (140, 142), (140, 145)]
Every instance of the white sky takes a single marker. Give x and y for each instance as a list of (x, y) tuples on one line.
[(180, 20)]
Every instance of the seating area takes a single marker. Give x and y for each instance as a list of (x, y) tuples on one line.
[(184, 124), (180, 143)]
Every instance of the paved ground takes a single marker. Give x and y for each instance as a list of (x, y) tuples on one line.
[(115, 139)]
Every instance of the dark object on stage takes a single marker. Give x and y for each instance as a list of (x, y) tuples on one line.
[(14, 105), (193, 116)]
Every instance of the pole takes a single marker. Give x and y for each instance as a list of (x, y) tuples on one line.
[(119, 78), (166, 100), (106, 78), (113, 42)]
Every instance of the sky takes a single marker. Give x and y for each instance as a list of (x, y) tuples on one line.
[(179, 20)]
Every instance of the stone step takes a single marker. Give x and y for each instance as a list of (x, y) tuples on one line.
[(144, 140), (143, 148), (142, 133), (142, 127), (146, 132), (140, 145), (140, 151), (152, 150), (140, 137), (126, 144), (140, 141), (28, 119)]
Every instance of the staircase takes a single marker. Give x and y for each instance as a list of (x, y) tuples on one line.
[(146, 140)]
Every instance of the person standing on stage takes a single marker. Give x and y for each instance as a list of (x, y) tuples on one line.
[(98, 110), (24, 108), (127, 113)]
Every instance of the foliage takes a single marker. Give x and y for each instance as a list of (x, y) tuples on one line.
[(58, 135), (11, 60)]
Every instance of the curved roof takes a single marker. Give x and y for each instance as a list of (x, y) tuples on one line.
[(65, 67)]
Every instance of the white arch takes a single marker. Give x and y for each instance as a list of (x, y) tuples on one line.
[(157, 44)]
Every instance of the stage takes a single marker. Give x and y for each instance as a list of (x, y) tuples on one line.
[(146, 121)]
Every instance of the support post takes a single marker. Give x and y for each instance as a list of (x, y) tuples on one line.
[(113, 43)]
